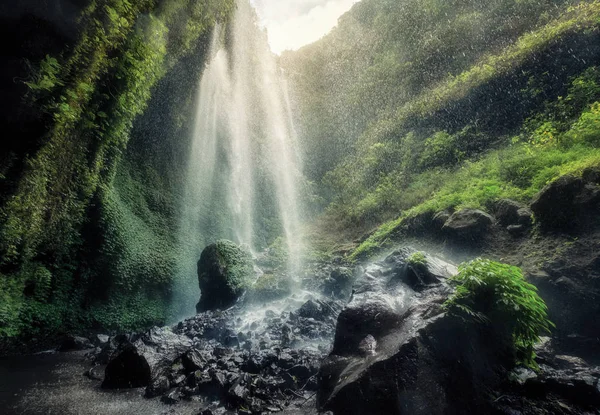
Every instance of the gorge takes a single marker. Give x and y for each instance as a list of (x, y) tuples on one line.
[(402, 217)]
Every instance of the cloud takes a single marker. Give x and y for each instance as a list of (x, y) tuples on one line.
[(292, 24)]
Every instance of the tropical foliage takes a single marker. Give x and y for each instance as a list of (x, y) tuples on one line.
[(497, 295)]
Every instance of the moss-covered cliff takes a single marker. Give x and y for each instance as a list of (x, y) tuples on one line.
[(88, 202)]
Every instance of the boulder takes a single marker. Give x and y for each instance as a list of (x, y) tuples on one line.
[(396, 352), (418, 274), (525, 217), (506, 212), (145, 361), (468, 224), (591, 175), (339, 284), (565, 202), (440, 218), (225, 271)]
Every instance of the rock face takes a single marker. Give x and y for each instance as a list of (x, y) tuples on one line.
[(468, 224), (566, 202), (396, 352), (225, 271)]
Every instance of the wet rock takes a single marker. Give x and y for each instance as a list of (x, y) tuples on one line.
[(468, 224), (367, 346), (139, 363), (95, 373), (339, 284), (100, 340), (225, 271), (172, 397), (75, 343), (563, 203), (316, 309), (525, 217), (158, 386), (424, 360), (418, 275)]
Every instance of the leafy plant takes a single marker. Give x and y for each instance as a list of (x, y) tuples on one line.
[(417, 259), (496, 294)]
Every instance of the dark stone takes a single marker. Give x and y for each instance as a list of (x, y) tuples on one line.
[(313, 309), (157, 387), (101, 340), (396, 352), (506, 211), (418, 275), (591, 175), (193, 361), (418, 224), (440, 218), (339, 284), (525, 217), (75, 343), (143, 361), (172, 397), (468, 224), (516, 230), (563, 203), (225, 271)]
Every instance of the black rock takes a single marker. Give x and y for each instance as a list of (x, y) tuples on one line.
[(396, 352), (440, 218), (506, 212), (564, 203), (139, 363), (339, 284), (591, 175), (468, 224), (516, 230)]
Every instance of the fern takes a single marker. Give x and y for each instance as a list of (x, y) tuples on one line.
[(489, 292)]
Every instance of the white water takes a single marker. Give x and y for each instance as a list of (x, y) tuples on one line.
[(244, 163)]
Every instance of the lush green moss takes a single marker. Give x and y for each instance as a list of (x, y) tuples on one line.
[(417, 259), (497, 294), (92, 94), (237, 263)]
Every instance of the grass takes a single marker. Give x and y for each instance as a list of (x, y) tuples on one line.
[(517, 172)]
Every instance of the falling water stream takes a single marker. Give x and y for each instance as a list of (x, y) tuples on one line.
[(244, 164)]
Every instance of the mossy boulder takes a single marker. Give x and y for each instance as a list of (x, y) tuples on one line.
[(225, 271)]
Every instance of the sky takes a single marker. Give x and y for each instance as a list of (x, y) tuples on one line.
[(292, 24)]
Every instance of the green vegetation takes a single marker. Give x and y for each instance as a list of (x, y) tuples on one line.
[(515, 171), (497, 295), (91, 95), (417, 259), (237, 263)]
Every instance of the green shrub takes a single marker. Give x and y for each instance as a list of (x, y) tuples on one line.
[(417, 259), (587, 129), (492, 293)]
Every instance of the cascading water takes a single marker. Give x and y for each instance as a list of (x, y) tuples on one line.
[(244, 164)]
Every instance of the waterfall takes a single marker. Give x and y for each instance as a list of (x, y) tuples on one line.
[(244, 165)]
